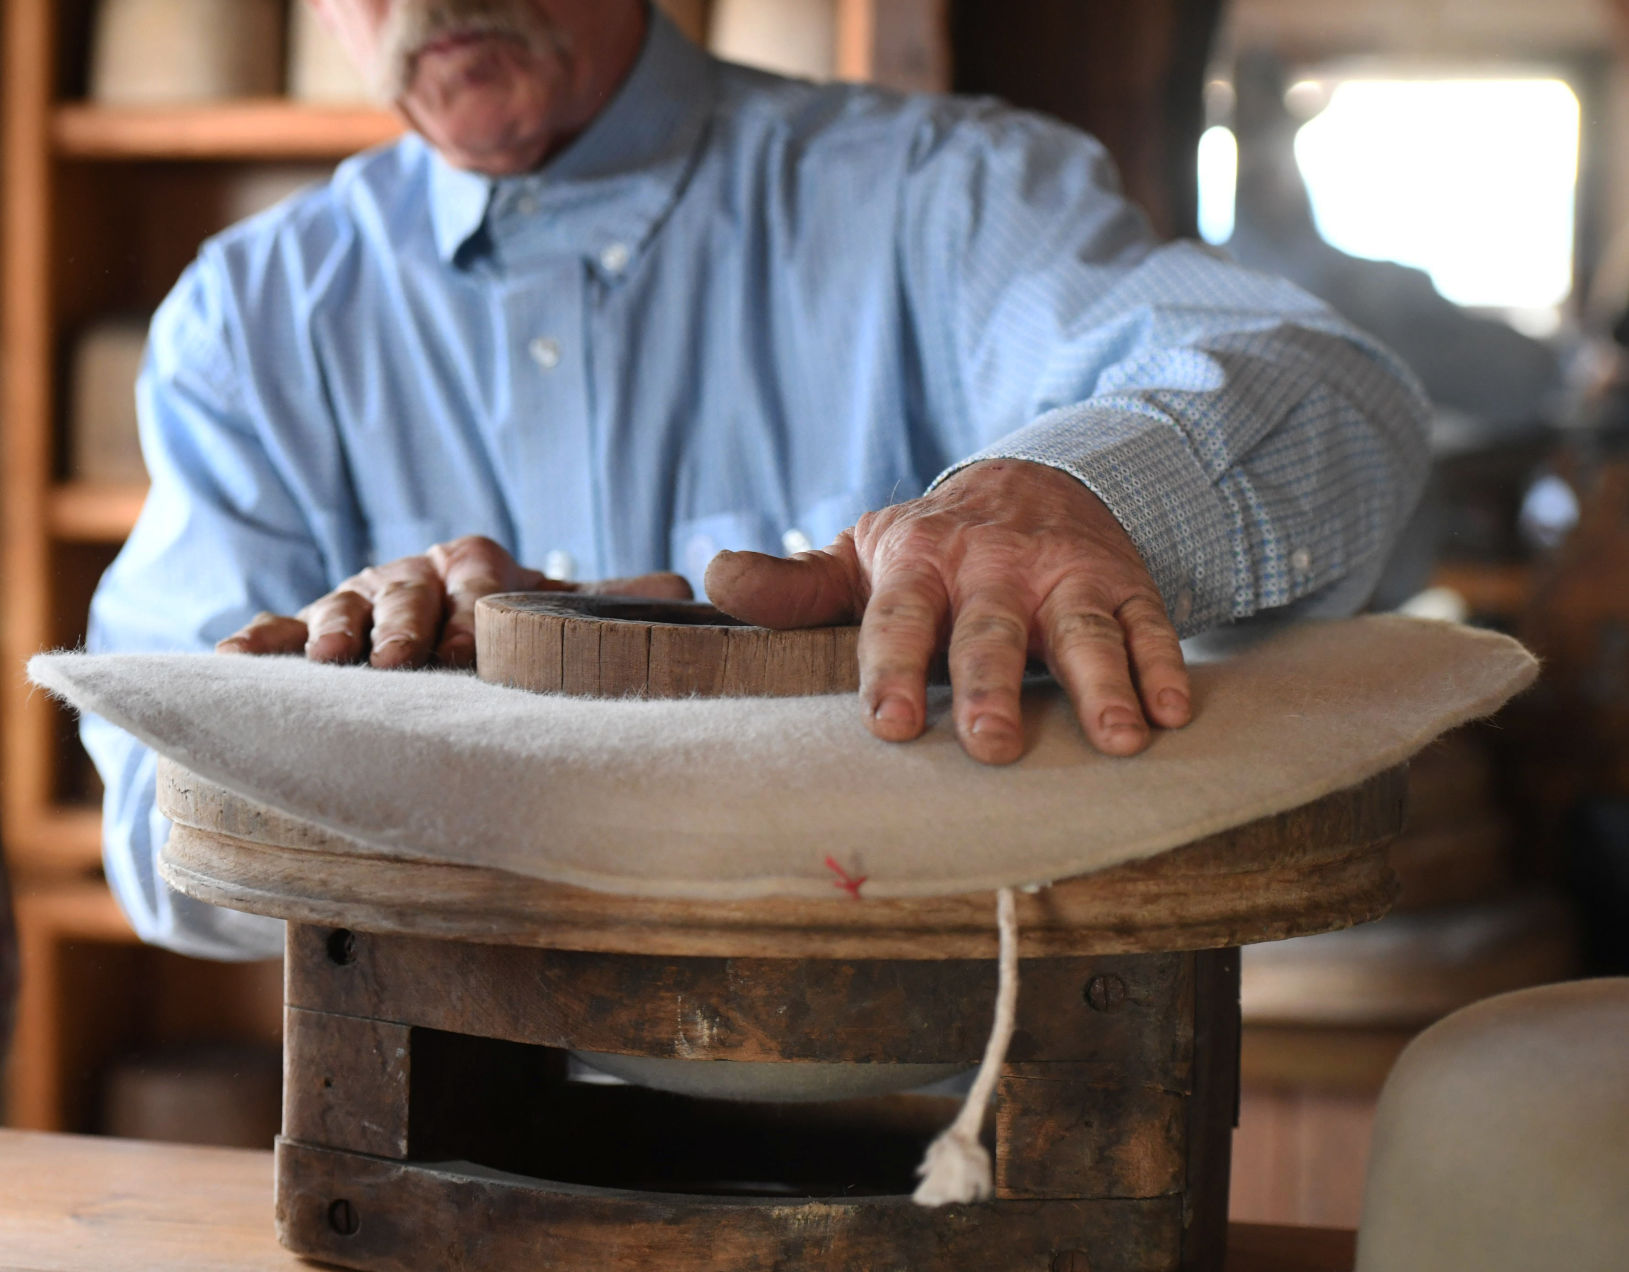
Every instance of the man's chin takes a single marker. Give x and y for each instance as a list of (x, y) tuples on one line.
[(482, 132)]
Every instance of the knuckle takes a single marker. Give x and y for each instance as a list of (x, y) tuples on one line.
[(469, 545), (343, 600), (992, 627), (1076, 629), (1145, 610), (909, 613), (472, 589), (403, 592), (983, 678)]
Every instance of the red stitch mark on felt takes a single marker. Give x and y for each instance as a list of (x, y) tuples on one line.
[(844, 880)]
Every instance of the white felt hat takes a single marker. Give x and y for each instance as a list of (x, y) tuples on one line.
[(1501, 1143), (731, 799)]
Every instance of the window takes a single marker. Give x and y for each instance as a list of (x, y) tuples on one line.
[(1471, 179)]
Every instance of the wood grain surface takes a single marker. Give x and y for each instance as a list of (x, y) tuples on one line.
[(73, 1203), (614, 647), (750, 1009), (1312, 869), (401, 1210)]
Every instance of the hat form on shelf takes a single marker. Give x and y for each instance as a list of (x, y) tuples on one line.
[(149, 52)]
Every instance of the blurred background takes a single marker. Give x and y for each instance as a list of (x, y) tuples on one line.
[(1453, 175)]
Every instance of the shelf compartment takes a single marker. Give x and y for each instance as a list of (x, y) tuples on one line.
[(250, 129), (58, 840), (94, 512)]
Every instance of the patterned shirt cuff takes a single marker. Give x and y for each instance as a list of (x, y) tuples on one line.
[(1146, 475)]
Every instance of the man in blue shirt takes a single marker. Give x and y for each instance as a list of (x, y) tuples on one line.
[(619, 308)]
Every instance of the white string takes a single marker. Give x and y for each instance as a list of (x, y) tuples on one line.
[(956, 1168)]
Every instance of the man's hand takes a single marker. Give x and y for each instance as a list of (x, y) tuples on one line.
[(1003, 561), (418, 609)]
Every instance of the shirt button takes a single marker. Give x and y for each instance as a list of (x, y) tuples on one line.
[(545, 351), (526, 205), (1182, 606), (795, 541), (1301, 561), (615, 258), (560, 566)]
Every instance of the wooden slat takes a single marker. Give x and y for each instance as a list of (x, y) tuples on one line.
[(1213, 1112), (69, 937), (27, 332), (346, 1082), (926, 1012), (94, 512), (1072, 1135), (270, 128), (479, 1219), (59, 840)]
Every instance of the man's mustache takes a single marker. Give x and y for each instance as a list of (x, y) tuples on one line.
[(414, 24)]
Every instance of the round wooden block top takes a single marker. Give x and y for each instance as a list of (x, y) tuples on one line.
[(618, 646), (1313, 869)]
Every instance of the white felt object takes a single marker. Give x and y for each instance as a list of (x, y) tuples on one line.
[(738, 798), (1501, 1142)]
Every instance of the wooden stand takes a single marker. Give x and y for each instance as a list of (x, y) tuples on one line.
[(431, 1116)]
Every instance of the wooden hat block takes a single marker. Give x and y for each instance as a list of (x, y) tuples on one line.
[(432, 1116)]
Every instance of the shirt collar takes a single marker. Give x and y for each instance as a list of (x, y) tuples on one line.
[(624, 171)]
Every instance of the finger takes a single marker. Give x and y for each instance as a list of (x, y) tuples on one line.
[(469, 568), (265, 634), (811, 589), (1086, 649), (337, 625), (899, 634), (662, 585), (456, 647), (989, 645), (407, 609), (1156, 662)]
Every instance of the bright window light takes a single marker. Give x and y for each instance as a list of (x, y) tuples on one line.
[(1218, 178), (1471, 180)]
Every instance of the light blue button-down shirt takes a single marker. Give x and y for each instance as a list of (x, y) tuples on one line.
[(737, 312)]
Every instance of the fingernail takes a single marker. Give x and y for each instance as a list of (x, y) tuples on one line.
[(894, 710), (395, 638), (1173, 700), (1117, 718), (990, 727), (231, 645)]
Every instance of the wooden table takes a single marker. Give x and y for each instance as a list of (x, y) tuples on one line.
[(71, 1203)]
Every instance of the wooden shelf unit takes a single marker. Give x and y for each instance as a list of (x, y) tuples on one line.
[(259, 129), (102, 208), (93, 512)]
